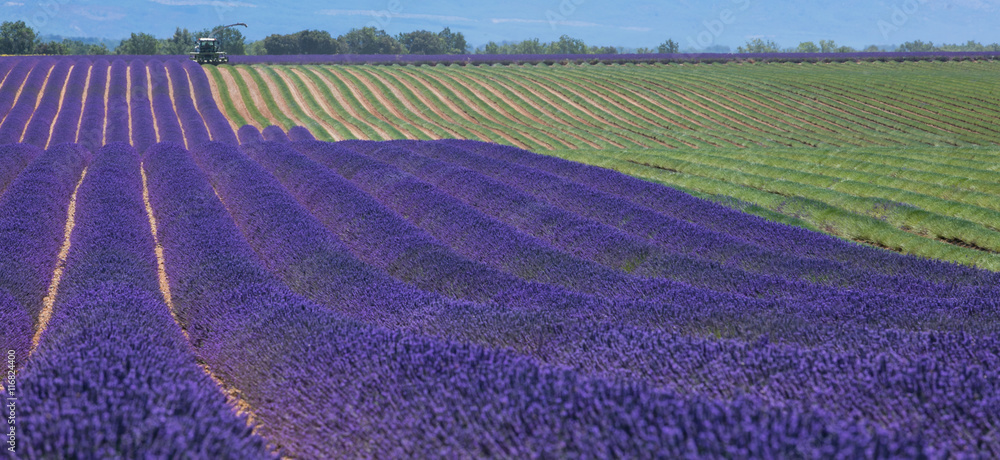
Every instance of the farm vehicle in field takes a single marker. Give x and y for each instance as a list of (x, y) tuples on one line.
[(208, 49)]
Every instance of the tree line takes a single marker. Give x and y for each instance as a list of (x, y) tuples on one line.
[(759, 45), (16, 37)]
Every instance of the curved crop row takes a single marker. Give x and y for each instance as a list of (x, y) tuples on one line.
[(117, 127), (218, 126), (91, 129), (140, 108), (195, 129)]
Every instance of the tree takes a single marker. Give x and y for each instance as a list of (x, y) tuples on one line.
[(316, 42), (758, 45), (181, 43), (668, 47), (138, 44), (827, 46), (256, 48), (454, 42), (530, 46), (602, 50), (568, 45), (280, 44), (96, 50), (916, 46), (872, 49), (807, 47), (491, 48), (369, 40), (16, 38), (423, 42), (51, 48)]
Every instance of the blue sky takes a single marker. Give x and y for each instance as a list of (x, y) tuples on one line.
[(627, 23)]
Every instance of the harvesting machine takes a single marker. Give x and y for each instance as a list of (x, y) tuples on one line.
[(208, 51)]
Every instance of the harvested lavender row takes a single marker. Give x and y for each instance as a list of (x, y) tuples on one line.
[(792, 240), (195, 131), (66, 124), (118, 112), (218, 124), (32, 212), (113, 374), (12, 83), (38, 129), (13, 159), (167, 124), (275, 134), (575, 235), (143, 126), (446, 400), (17, 118), (91, 133)]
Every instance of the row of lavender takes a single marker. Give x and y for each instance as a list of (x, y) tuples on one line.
[(550, 59), (93, 101)]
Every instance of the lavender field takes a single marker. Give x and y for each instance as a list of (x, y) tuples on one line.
[(172, 287)]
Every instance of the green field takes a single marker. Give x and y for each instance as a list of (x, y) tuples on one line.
[(899, 155)]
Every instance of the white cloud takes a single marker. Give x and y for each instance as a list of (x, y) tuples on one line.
[(217, 3), (13, 4), (637, 29), (544, 21), (382, 14)]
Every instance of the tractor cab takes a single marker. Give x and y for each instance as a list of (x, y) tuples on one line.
[(206, 51)]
